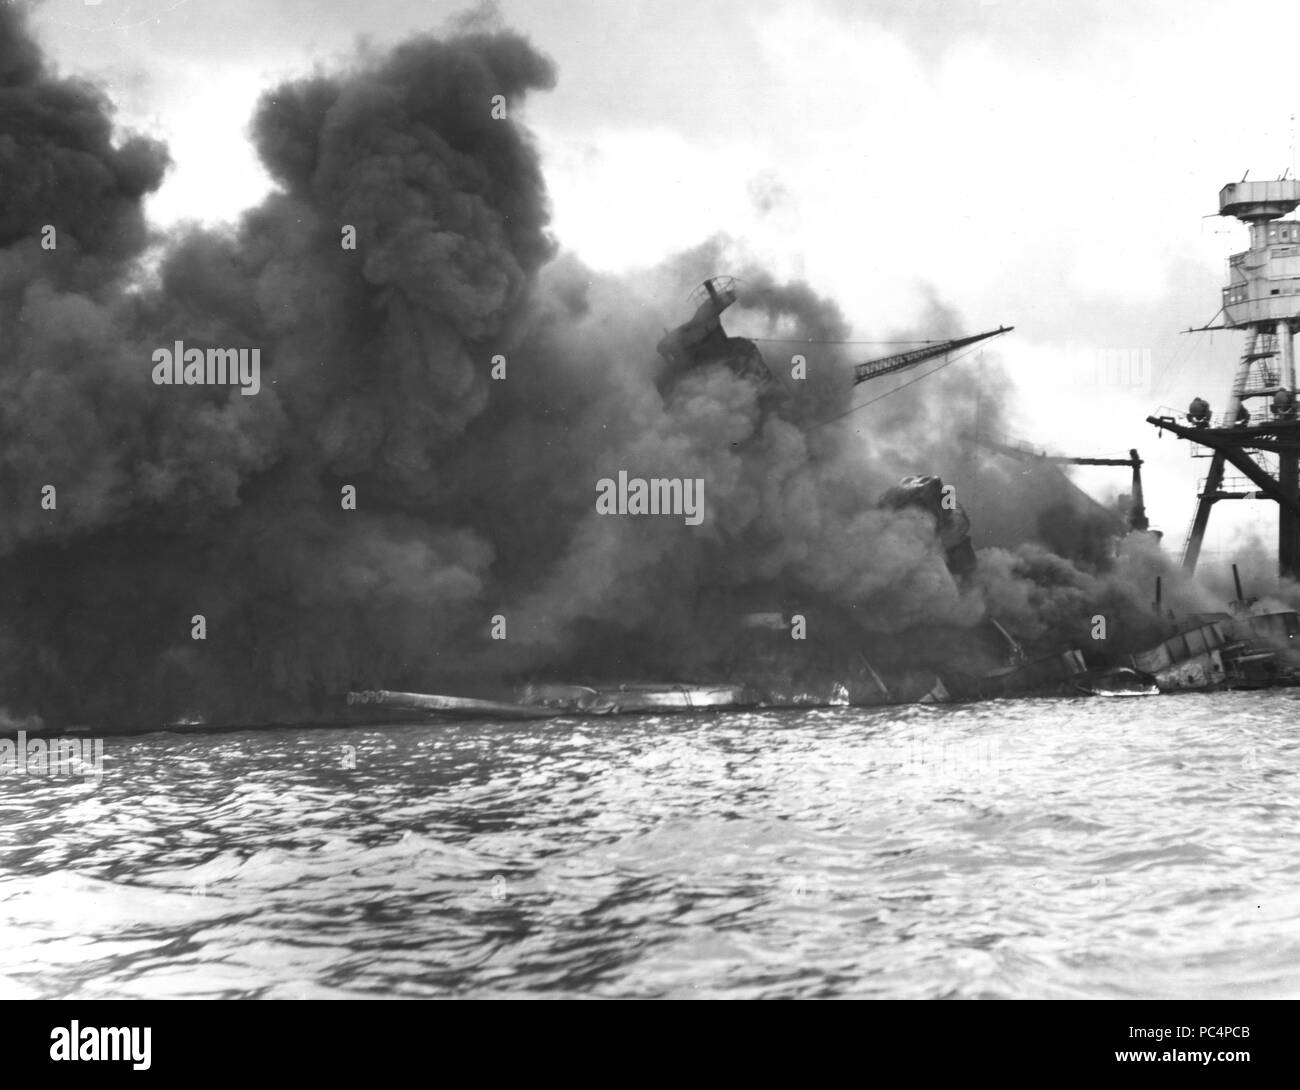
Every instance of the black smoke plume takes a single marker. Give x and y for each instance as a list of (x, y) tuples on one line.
[(475, 496)]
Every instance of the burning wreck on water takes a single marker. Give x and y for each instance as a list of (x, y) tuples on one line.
[(813, 650), (200, 567), (800, 649)]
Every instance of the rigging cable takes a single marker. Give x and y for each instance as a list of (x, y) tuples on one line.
[(811, 340), (887, 393)]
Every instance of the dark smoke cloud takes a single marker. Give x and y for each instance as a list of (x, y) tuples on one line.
[(475, 496), (176, 501), (58, 160)]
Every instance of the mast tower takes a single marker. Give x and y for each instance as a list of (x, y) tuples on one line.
[(1260, 430)]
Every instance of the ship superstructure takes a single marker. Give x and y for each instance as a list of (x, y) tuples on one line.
[(1259, 435)]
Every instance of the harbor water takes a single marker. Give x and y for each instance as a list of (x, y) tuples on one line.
[(1120, 848)]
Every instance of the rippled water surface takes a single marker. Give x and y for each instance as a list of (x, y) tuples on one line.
[(1144, 847)]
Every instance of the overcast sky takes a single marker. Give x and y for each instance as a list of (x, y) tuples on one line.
[(1047, 165)]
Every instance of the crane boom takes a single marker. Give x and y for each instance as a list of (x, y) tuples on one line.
[(900, 361), (1016, 448)]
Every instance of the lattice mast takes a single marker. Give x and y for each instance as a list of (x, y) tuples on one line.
[(1262, 298), (1263, 293)]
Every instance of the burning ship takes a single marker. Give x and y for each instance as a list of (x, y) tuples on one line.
[(805, 653), (813, 652), (766, 647), (200, 565)]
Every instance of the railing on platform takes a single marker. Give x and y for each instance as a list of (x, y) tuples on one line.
[(1230, 484), (1227, 420)]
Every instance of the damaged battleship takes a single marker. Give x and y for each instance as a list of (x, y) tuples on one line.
[(810, 652), (813, 653)]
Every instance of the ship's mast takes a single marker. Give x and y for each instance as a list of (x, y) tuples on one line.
[(1263, 300)]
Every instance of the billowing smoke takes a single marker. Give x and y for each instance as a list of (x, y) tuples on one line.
[(474, 490)]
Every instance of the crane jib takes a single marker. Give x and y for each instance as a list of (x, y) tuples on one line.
[(902, 360)]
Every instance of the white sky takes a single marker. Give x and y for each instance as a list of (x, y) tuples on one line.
[(1032, 162)]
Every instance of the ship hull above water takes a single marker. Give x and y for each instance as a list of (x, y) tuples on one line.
[(1119, 682), (1225, 653), (629, 698)]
